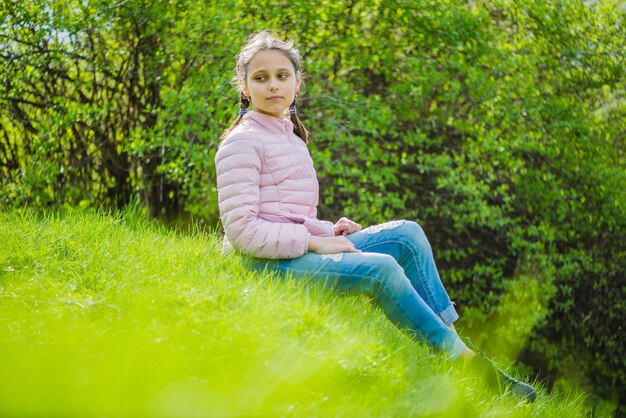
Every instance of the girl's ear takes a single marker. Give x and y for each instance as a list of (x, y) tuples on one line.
[(298, 82), (244, 88)]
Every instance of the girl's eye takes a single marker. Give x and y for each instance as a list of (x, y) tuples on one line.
[(283, 75), (260, 78)]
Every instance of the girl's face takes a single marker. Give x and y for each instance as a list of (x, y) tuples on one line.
[(271, 82)]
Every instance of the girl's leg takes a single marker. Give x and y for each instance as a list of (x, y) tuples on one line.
[(406, 242), (382, 278)]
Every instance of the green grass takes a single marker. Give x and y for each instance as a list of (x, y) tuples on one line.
[(107, 316)]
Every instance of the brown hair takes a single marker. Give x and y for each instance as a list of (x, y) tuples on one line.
[(260, 42)]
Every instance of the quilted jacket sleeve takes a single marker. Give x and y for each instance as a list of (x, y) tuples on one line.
[(238, 164)]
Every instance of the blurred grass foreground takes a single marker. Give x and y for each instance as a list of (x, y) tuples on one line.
[(111, 316)]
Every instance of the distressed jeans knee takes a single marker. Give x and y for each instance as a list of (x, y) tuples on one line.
[(407, 243)]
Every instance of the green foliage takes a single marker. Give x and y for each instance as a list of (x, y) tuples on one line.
[(109, 103), (499, 125), (115, 316)]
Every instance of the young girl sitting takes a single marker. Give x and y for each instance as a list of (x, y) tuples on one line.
[(268, 194)]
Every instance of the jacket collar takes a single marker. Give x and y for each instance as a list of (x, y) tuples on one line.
[(270, 123)]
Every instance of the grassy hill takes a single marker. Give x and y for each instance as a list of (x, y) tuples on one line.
[(110, 316)]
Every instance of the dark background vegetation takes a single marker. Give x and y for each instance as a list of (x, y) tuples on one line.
[(498, 125)]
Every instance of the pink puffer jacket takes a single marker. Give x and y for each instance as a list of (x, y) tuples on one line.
[(267, 189)]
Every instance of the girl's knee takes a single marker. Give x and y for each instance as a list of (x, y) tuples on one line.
[(412, 228), (413, 232), (388, 272), (386, 265)]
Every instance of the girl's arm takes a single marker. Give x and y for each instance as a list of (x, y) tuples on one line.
[(345, 226), (238, 166), (331, 245)]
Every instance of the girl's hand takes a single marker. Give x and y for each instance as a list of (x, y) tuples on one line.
[(345, 226), (331, 245)]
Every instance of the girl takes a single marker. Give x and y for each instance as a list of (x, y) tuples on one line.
[(268, 193)]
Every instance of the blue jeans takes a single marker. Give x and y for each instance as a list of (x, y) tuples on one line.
[(397, 269)]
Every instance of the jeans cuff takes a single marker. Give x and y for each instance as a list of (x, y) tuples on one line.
[(457, 349), (449, 315)]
